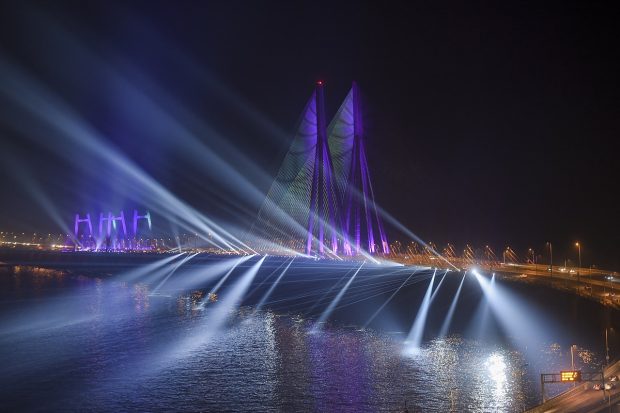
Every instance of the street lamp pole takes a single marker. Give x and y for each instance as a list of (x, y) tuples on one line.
[(531, 251), (572, 359), (606, 347), (578, 245), (550, 258)]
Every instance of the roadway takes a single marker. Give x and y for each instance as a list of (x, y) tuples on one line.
[(594, 284), (584, 399)]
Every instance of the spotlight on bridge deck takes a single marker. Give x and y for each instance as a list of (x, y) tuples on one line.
[(328, 291), (162, 282), (372, 317), (480, 322), (222, 280), (414, 338), (335, 301), (216, 319), (273, 287), (205, 274), (448, 320), (523, 324), (158, 274), (141, 271), (438, 286)]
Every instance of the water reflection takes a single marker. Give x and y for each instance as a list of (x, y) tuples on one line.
[(496, 369), (262, 361)]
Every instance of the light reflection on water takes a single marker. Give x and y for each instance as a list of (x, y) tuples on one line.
[(101, 355)]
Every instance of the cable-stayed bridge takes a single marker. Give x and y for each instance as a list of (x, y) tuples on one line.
[(322, 200)]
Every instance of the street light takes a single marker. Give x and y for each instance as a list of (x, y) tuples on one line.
[(531, 251), (550, 258), (606, 347), (572, 358), (578, 245)]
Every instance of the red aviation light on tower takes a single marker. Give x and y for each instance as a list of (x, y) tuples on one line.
[(319, 82)]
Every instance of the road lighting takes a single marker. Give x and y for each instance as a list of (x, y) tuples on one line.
[(550, 258), (606, 347), (578, 245), (531, 251), (572, 358)]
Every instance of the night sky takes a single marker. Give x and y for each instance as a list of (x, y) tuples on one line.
[(489, 124)]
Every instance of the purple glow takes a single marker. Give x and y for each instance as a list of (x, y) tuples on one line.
[(79, 220), (103, 219), (107, 239), (137, 217), (323, 192), (323, 206), (120, 218), (346, 141)]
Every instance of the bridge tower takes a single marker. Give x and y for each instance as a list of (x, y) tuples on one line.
[(121, 219), (105, 219), (110, 221), (323, 202), (136, 217), (360, 219), (322, 199), (79, 220)]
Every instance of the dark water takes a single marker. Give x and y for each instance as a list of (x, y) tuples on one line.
[(70, 342)]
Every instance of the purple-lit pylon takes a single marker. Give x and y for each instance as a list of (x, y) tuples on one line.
[(322, 199), (137, 217), (323, 202), (359, 216), (79, 220)]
